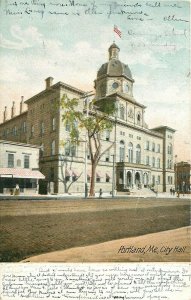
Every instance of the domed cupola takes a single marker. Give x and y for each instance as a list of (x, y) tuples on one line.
[(113, 76), (114, 67)]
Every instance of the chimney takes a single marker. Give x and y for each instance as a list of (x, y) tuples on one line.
[(49, 82), (13, 110), (21, 104), (5, 114)]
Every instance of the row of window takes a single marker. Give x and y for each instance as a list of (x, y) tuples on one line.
[(15, 130), (12, 163), (98, 178), (155, 163), (130, 156), (71, 150), (152, 147), (42, 127), (183, 175)]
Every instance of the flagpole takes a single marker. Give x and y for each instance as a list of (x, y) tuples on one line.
[(113, 34)]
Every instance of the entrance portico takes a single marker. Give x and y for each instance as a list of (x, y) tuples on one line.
[(128, 177)]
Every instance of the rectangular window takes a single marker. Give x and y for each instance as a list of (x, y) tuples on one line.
[(67, 149), (107, 179), (158, 179), (24, 127), (153, 162), (14, 130), (53, 124), (98, 179), (147, 160), (107, 135), (153, 147), (26, 161), (10, 160), (53, 144), (32, 130), (42, 128), (73, 149), (51, 174), (107, 155), (147, 145), (158, 148), (67, 127), (41, 150)]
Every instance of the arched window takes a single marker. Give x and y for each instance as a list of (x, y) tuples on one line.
[(138, 154), (122, 151), (122, 112), (139, 118), (130, 152)]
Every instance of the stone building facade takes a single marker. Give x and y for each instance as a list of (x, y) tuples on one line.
[(140, 157)]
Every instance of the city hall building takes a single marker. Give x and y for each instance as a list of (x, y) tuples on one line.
[(140, 157)]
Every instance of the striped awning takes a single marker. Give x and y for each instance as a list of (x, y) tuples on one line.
[(21, 173)]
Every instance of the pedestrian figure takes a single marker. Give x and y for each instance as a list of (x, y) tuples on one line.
[(100, 193), (171, 191), (17, 190)]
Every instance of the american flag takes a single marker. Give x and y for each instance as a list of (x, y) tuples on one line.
[(117, 30)]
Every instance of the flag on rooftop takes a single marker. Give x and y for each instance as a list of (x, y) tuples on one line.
[(117, 30)]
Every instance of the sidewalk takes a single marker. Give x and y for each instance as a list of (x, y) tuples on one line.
[(168, 246), (81, 196)]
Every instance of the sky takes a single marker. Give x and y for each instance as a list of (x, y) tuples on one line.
[(69, 41)]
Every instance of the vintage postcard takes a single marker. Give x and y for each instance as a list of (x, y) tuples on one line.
[(95, 149)]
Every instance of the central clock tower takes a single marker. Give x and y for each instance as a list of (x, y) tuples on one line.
[(113, 76)]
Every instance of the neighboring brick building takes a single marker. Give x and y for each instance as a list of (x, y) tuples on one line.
[(144, 157), (182, 176)]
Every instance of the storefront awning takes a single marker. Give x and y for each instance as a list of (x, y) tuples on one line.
[(20, 173)]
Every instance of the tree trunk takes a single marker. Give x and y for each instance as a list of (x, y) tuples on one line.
[(93, 177)]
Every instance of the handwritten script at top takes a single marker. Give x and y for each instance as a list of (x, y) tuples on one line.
[(93, 282), (129, 11)]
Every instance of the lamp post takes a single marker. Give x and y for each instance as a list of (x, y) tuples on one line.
[(176, 177), (113, 177), (86, 102), (157, 188)]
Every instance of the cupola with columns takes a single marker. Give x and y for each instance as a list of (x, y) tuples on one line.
[(113, 76)]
